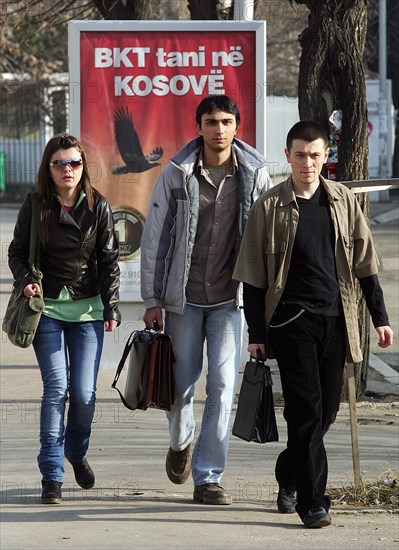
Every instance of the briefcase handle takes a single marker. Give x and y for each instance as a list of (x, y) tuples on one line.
[(260, 362)]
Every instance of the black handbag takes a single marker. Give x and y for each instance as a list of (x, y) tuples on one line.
[(149, 378), (23, 314), (255, 418)]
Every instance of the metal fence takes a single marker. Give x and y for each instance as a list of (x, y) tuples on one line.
[(30, 112)]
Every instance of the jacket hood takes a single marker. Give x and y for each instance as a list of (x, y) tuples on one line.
[(246, 155)]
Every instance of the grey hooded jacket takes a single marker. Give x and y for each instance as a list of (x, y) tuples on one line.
[(169, 231)]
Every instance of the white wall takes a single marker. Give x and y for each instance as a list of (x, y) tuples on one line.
[(281, 115)]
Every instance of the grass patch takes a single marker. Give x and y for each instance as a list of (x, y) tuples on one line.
[(382, 492)]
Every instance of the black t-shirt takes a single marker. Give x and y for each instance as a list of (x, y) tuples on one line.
[(312, 278)]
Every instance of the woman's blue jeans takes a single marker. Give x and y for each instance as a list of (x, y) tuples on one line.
[(221, 328), (69, 358)]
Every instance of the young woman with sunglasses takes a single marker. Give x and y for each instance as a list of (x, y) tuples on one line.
[(79, 262)]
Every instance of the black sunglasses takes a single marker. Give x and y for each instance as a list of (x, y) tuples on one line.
[(60, 164)]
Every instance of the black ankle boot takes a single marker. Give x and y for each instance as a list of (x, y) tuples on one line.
[(84, 475), (51, 493)]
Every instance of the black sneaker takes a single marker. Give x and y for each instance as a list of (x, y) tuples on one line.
[(317, 517), (51, 492), (84, 475), (286, 501)]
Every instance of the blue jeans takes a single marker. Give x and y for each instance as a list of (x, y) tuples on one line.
[(221, 327), (69, 358)]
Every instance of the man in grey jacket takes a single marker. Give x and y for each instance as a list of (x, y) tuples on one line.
[(190, 242)]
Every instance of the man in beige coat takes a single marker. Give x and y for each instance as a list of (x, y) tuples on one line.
[(305, 243)]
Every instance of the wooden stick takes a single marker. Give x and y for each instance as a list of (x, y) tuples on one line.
[(350, 370)]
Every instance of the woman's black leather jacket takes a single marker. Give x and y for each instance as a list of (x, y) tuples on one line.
[(81, 253)]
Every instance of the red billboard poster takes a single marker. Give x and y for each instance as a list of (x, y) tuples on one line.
[(134, 90)]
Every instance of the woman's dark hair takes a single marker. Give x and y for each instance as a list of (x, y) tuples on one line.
[(220, 102), (307, 130), (45, 185)]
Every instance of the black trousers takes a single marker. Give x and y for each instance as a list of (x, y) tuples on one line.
[(310, 351)]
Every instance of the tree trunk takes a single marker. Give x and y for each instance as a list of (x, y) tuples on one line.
[(331, 78), (203, 10), (128, 10)]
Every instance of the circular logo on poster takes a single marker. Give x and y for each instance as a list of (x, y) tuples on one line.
[(129, 224)]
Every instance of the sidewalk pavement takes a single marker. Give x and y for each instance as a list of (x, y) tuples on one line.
[(134, 505)]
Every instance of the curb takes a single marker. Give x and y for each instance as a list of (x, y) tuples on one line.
[(389, 374)]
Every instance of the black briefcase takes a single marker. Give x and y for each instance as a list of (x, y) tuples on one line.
[(255, 418)]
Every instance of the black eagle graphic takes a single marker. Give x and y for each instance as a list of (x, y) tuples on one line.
[(129, 146)]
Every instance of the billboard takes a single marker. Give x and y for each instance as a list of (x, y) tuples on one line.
[(134, 90)]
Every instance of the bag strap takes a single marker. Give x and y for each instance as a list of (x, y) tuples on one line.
[(268, 376), (135, 335), (126, 352), (34, 245)]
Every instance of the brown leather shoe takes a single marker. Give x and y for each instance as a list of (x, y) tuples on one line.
[(211, 493), (178, 465)]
